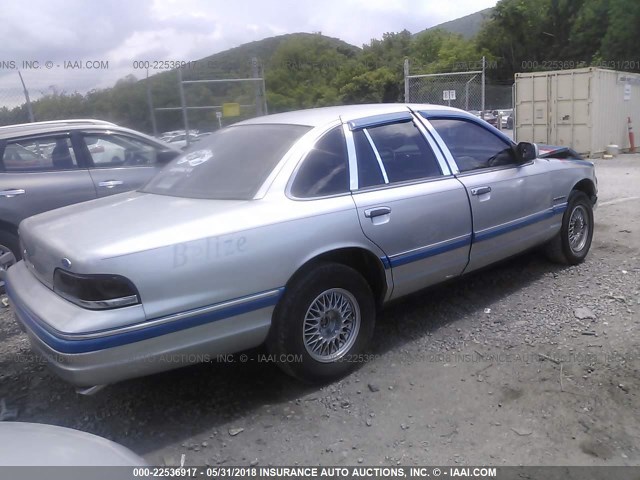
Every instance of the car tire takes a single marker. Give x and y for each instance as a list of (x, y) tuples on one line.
[(323, 323), (571, 245), (9, 251)]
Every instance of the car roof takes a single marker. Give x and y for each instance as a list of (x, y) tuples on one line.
[(315, 117), (53, 125), (58, 126)]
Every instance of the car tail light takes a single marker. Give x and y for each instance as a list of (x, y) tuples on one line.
[(95, 292)]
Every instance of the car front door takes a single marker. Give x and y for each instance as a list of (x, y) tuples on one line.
[(40, 173), (408, 202), (119, 162), (511, 203)]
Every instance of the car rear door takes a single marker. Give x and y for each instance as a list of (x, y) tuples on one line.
[(119, 162), (40, 173), (408, 202), (511, 203)]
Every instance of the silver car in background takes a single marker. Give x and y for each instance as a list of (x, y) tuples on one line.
[(47, 165), (27, 444), (291, 230)]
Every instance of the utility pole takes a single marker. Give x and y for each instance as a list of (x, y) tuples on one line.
[(26, 96), (151, 110), (183, 105), (406, 79), (255, 73), (483, 85)]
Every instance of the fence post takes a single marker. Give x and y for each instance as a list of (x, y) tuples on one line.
[(26, 97), (466, 95), (255, 73), (483, 86), (406, 79), (513, 106), (264, 89), (183, 105), (151, 110)]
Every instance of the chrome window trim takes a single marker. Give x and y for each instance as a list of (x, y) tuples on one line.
[(444, 166), (377, 154), (351, 156), (453, 166), (406, 183), (498, 168), (309, 199), (166, 319), (389, 119), (29, 136)]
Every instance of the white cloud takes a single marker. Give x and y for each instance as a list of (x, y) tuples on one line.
[(121, 31)]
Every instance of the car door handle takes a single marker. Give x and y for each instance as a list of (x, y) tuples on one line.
[(377, 212), (110, 183), (480, 190), (12, 192)]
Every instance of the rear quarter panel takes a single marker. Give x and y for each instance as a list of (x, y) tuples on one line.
[(245, 261)]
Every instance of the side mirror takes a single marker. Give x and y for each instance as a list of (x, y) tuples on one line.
[(526, 151), (165, 156)]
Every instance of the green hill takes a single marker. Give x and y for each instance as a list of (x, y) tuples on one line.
[(237, 61), (289, 62), (467, 26)]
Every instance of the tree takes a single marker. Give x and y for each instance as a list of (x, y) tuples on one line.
[(516, 35), (379, 85), (620, 44)]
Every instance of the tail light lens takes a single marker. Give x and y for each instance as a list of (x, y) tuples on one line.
[(95, 292)]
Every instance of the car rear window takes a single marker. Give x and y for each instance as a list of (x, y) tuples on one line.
[(232, 163)]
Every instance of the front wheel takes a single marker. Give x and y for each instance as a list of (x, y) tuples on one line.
[(9, 252), (572, 243), (323, 323)]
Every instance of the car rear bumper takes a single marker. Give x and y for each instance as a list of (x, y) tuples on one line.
[(102, 358)]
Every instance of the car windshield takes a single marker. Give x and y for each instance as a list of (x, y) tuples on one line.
[(230, 164)]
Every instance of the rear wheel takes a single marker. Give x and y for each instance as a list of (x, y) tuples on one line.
[(572, 243), (323, 322)]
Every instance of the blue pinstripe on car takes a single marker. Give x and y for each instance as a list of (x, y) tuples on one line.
[(432, 250), (112, 338)]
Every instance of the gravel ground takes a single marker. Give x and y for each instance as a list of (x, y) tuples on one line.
[(525, 363)]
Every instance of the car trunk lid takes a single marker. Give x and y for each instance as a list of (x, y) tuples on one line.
[(81, 235)]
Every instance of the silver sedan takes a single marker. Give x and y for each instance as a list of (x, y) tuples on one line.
[(291, 230)]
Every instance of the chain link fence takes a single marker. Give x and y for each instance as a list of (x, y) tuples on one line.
[(152, 97), (203, 96), (463, 90), (468, 90), (42, 94), (12, 106)]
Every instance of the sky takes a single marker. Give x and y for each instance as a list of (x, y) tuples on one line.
[(52, 32)]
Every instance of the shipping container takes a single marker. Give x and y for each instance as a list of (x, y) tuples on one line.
[(585, 109)]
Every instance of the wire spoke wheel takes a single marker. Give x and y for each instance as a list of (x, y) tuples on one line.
[(578, 229), (7, 258), (331, 325)]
